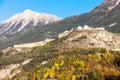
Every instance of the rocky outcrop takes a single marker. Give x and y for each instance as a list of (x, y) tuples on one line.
[(65, 33), (92, 37), (11, 70), (12, 51)]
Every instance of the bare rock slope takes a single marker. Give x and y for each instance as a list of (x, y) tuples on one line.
[(90, 38)]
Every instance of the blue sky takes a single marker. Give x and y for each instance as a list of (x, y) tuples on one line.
[(61, 8)]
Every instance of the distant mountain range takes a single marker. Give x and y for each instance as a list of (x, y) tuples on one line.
[(106, 15), (23, 21)]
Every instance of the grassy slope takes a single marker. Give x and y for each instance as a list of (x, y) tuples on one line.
[(65, 64)]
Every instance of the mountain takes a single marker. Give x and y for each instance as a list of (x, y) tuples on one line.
[(23, 21), (106, 15)]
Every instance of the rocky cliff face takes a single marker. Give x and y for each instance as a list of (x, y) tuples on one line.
[(92, 37)]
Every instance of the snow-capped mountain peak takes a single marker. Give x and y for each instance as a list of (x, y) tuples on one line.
[(25, 20)]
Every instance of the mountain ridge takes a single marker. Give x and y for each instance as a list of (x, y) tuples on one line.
[(25, 20)]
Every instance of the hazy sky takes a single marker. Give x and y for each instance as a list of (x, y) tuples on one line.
[(61, 8)]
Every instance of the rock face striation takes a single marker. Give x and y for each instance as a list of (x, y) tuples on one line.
[(87, 37)]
